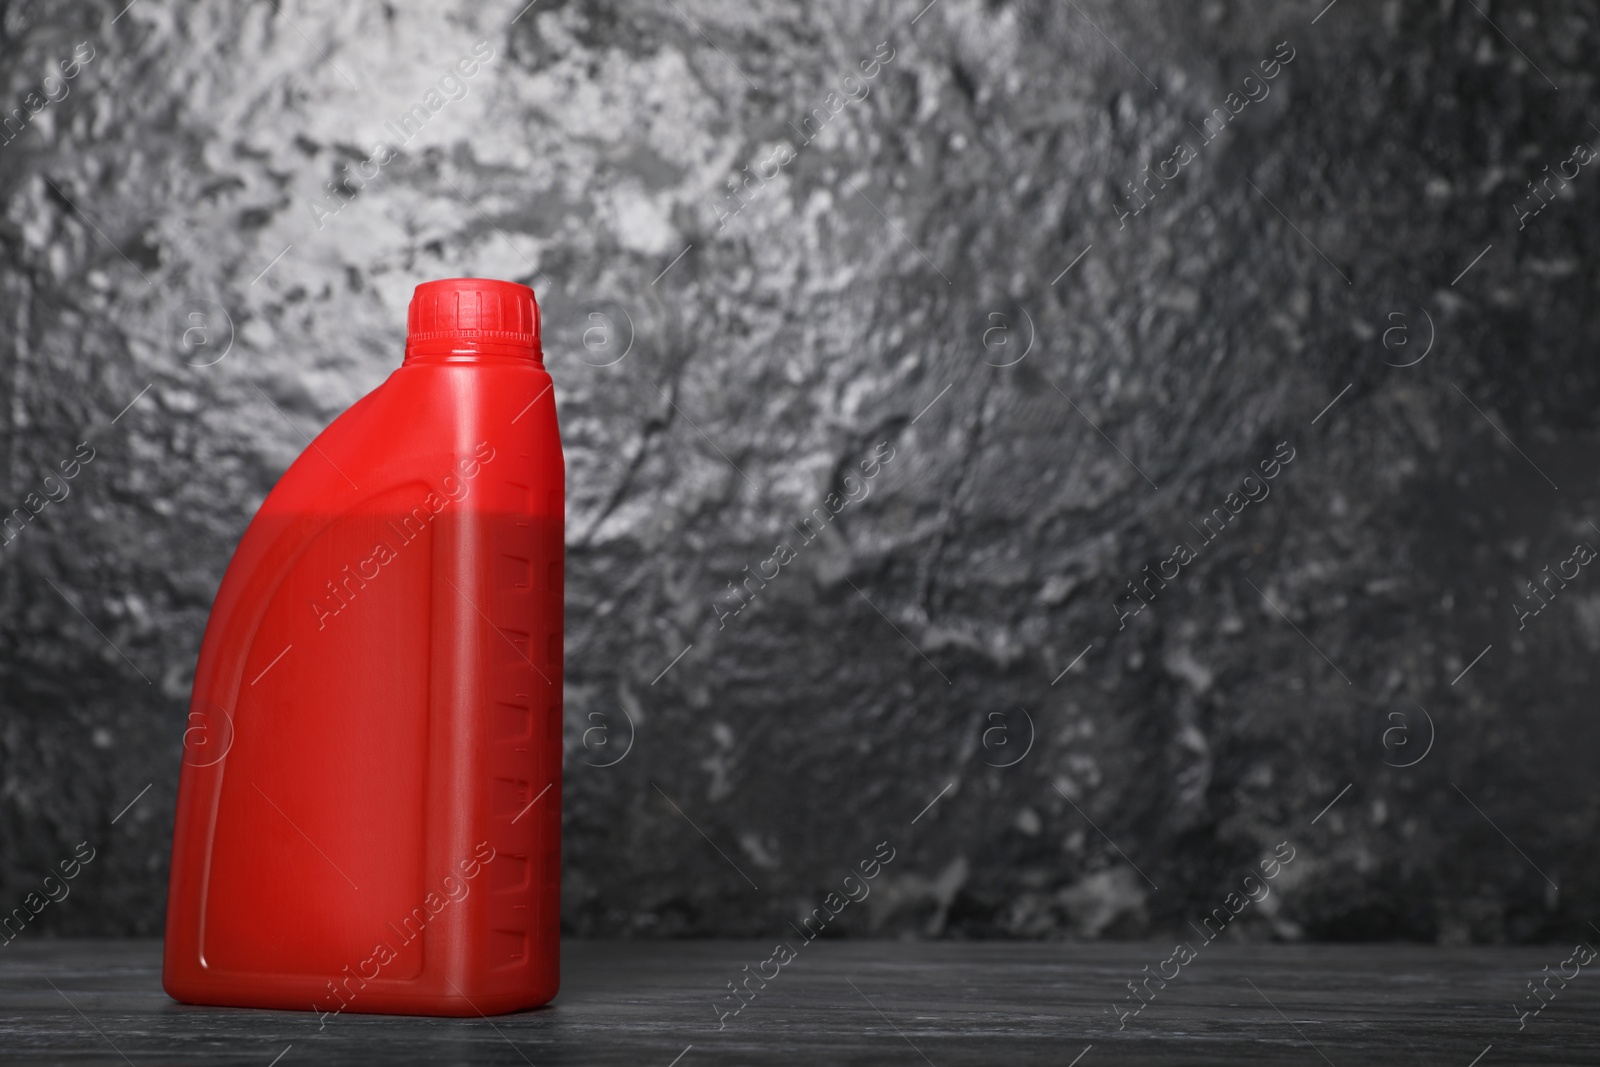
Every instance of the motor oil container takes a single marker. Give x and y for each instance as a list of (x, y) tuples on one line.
[(368, 814)]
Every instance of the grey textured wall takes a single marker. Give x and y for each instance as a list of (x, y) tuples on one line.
[(945, 260)]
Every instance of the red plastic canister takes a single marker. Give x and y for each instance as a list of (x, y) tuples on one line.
[(369, 810)]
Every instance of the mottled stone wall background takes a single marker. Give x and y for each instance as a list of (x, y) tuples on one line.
[(723, 363)]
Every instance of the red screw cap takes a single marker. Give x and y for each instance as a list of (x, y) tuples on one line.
[(473, 316)]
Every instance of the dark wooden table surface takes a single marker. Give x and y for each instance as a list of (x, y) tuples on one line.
[(858, 1002)]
